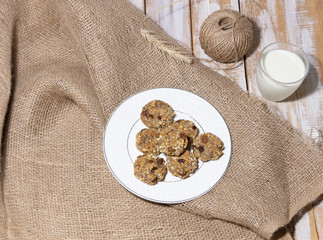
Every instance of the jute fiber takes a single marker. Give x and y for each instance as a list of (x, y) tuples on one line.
[(65, 67), (226, 36)]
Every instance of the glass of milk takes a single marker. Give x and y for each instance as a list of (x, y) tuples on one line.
[(281, 68)]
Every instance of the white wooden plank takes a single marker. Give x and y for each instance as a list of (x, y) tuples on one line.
[(174, 19), (140, 4), (318, 212), (302, 228), (305, 34)]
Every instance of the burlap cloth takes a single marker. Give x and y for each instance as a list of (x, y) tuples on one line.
[(65, 66)]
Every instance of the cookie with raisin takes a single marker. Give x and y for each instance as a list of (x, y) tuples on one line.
[(183, 165), (150, 169), (173, 142), (157, 114), (147, 141), (187, 127), (207, 146)]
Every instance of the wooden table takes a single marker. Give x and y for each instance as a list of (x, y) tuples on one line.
[(297, 21)]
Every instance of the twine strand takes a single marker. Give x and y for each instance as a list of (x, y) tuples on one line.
[(165, 47), (226, 36), (234, 41)]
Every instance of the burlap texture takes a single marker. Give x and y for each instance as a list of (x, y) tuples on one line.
[(65, 66)]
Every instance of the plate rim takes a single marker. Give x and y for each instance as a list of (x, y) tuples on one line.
[(147, 198)]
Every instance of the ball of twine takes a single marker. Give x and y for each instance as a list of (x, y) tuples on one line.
[(226, 36)]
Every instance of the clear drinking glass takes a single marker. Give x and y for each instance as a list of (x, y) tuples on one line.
[(281, 69)]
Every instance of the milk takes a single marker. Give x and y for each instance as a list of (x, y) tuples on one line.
[(279, 74)]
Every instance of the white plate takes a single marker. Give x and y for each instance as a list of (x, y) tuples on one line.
[(120, 149)]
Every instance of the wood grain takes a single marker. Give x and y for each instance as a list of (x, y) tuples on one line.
[(289, 21), (140, 4), (318, 214), (313, 226), (303, 229), (174, 20), (311, 93)]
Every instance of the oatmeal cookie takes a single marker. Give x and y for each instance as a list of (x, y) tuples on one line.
[(207, 147), (187, 127), (183, 165), (147, 141), (157, 114), (173, 142), (150, 169)]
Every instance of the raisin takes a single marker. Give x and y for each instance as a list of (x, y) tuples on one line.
[(194, 127), (160, 161), (145, 113), (193, 146), (159, 117), (153, 169), (154, 180), (201, 149), (181, 160), (150, 116), (182, 135), (204, 139), (170, 149)]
